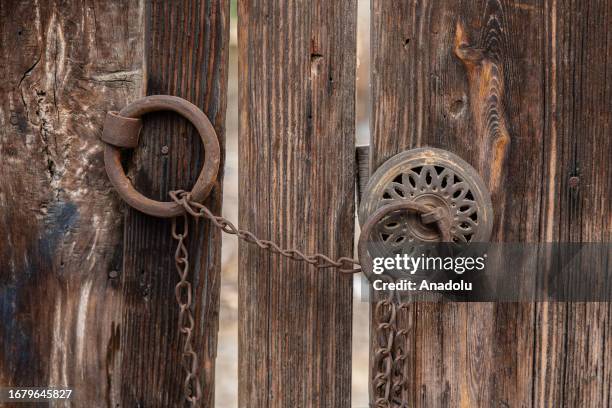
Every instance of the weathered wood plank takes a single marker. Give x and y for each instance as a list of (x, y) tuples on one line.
[(297, 81), (466, 76), (62, 69), (528, 108), (573, 364), (186, 55)]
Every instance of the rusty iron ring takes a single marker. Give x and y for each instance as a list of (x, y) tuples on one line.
[(208, 174), (428, 214)]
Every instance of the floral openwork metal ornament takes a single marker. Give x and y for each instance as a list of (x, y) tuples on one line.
[(437, 179)]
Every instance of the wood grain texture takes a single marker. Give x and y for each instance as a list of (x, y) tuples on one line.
[(74, 311), (61, 227), (496, 82), (61, 70), (573, 364), (297, 82), (186, 55)]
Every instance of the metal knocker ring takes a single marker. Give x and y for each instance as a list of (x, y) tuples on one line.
[(122, 129), (428, 214)]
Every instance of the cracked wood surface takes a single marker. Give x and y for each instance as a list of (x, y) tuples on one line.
[(521, 91), (73, 310), (61, 224), (297, 124)]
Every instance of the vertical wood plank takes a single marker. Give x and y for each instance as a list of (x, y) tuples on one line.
[(573, 365), (186, 55), (63, 286), (466, 76), (528, 109), (297, 83), (60, 300)]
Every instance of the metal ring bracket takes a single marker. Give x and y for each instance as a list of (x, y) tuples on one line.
[(121, 130), (442, 224)]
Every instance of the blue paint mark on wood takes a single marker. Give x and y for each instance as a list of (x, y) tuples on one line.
[(61, 218)]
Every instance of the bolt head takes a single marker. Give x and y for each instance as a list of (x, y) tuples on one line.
[(574, 181)]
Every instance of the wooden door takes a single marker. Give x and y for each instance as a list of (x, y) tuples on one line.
[(86, 283), (521, 90)]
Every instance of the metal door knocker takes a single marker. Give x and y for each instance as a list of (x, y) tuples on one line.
[(436, 179), (445, 200), (387, 227)]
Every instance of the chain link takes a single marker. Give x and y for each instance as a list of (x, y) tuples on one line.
[(184, 291), (318, 260), (389, 381), (385, 318), (399, 385), (186, 323), (389, 376)]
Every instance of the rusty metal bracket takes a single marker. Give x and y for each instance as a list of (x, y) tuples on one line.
[(122, 130)]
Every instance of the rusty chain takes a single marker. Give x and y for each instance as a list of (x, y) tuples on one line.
[(122, 129), (320, 261), (389, 381), (399, 385), (183, 290), (186, 323), (382, 367)]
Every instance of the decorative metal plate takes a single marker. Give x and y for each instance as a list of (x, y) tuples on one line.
[(438, 179)]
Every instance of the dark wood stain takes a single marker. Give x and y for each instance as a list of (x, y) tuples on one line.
[(61, 223), (297, 82), (519, 90)]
